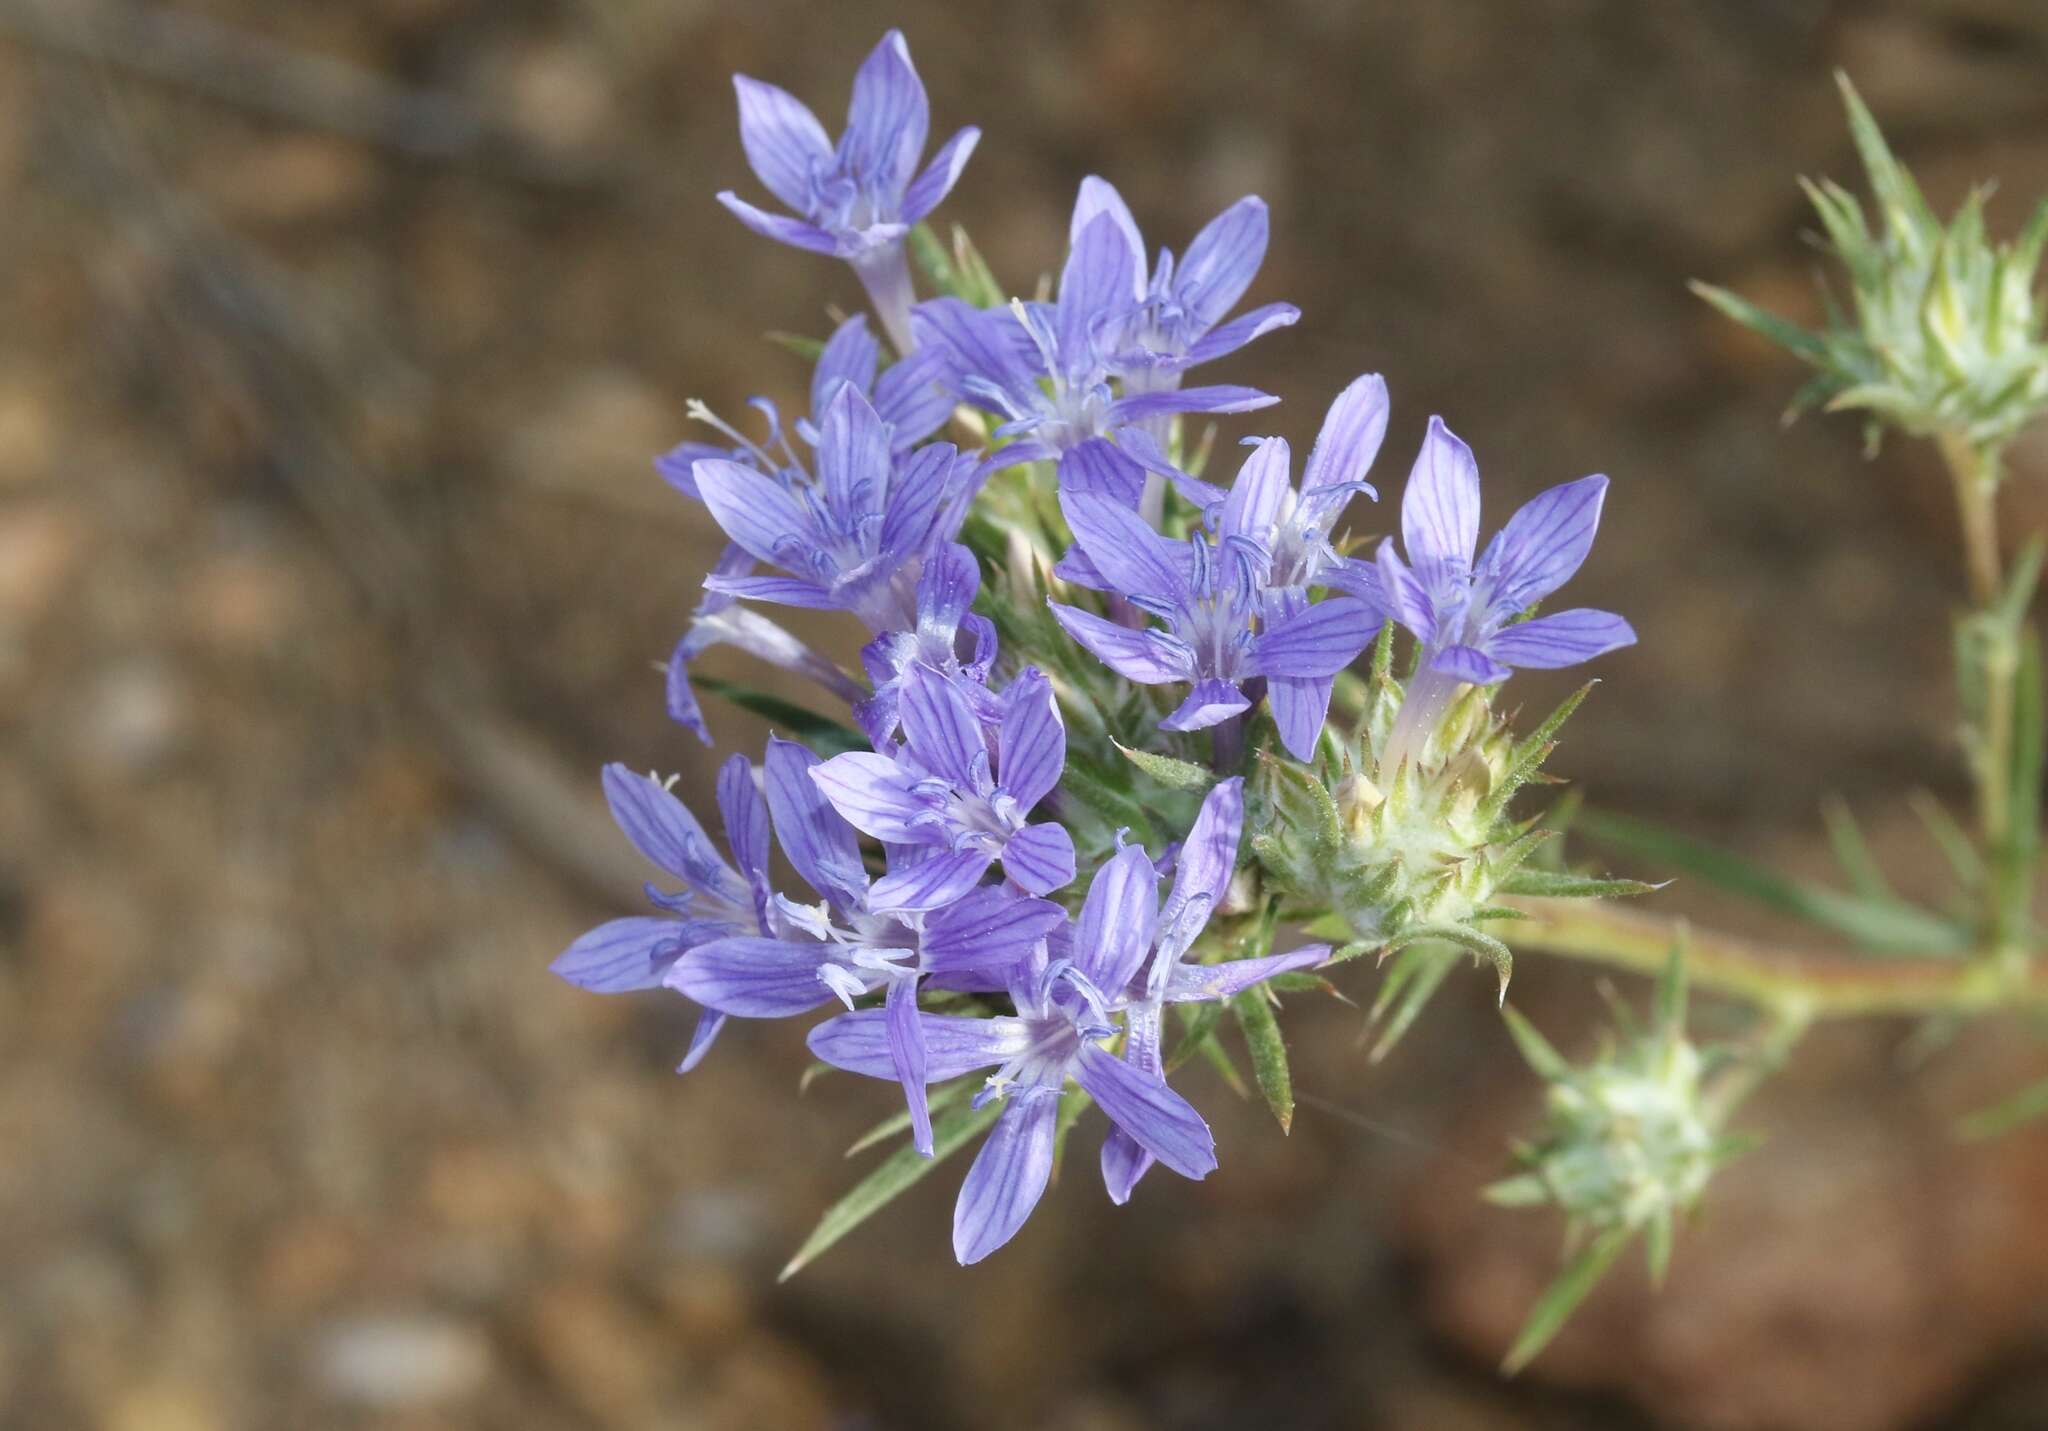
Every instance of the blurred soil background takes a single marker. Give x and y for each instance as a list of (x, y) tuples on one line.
[(335, 341)]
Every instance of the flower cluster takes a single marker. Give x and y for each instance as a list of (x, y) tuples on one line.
[(978, 846)]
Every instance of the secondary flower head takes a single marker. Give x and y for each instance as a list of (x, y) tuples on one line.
[(1225, 624), (943, 798), (856, 200), (1465, 613), (945, 592)]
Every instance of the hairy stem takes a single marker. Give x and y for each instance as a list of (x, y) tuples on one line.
[(1789, 983), (1975, 475)]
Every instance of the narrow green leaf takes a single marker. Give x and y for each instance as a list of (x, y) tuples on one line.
[(804, 347), (1176, 774), (1416, 974), (951, 1131), (1668, 1005), (1893, 186), (2017, 860), (1555, 1307), (1108, 797), (1787, 335), (1852, 853), (823, 735), (1557, 884), (1657, 1237), (1885, 927), (1521, 1190), (1255, 1016), (1963, 860), (1537, 1051), (2023, 1107)]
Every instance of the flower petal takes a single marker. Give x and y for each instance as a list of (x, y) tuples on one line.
[(941, 727), (911, 397), (1543, 544), (1101, 279), (780, 227), (1139, 655), (1222, 260), (1123, 546), (1100, 467), (1253, 505), (1350, 439), (888, 118), (662, 828), (1469, 663), (817, 839), (745, 815), (1032, 746), (1165, 1124), (991, 927), (1124, 1159), (1440, 509), (1220, 397), (756, 511), (1040, 858), (853, 457), (709, 1022), (1226, 338), (849, 358), (784, 142), (953, 1045), (907, 1052), (1563, 638), (1200, 983), (1097, 197), (874, 794), (930, 188), (753, 978), (1209, 702), (1300, 706), (929, 884), (1207, 859), (779, 590), (1118, 921), (1319, 641), (1008, 1177), (621, 955)]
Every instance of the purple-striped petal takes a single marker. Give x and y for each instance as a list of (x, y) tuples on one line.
[(1099, 467), (887, 120), (1209, 702), (1253, 506), (1040, 858), (853, 457), (1008, 1177), (709, 1022), (1124, 1159), (1225, 339), (820, 845), (1440, 508), (1119, 920), (753, 978), (953, 1046), (1032, 747), (1097, 197), (1319, 641), (745, 815), (1300, 706), (911, 396), (1543, 544), (1563, 638), (777, 590), (674, 465), (905, 1030), (1207, 859), (991, 927), (1140, 655), (1165, 1124), (850, 358), (930, 188), (874, 794), (662, 828), (1199, 983), (1406, 600), (1350, 438), (621, 955), (989, 344), (1222, 397), (1469, 663), (783, 140), (783, 229), (755, 510), (1123, 546), (940, 726), (929, 884), (915, 495), (1222, 261), (1101, 279)]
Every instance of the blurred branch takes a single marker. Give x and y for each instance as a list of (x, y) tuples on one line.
[(1791, 981), (250, 71)]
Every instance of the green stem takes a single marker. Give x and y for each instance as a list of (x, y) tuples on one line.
[(1787, 983), (1974, 473)]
